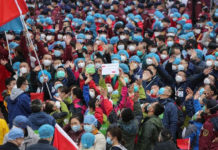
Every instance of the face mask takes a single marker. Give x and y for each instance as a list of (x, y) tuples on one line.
[(149, 61), (9, 36), (173, 67), (64, 37), (131, 48), (147, 108), (75, 128), (216, 62), (181, 42), (178, 56), (126, 80), (57, 86), (47, 62), (92, 94), (41, 79), (60, 36), (209, 63), (112, 7), (178, 78), (123, 58), (42, 36), (60, 74), (156, 34), (109, 89), (201, 92), (88, 37), (153, 50), (27, 88), (139, 53), (216, 40), (181, 67), (161, 91), (122, 37), (57, 53), (115, 62), (178, 26), (48, 38), (103, 35), (170, 43), (207, 81), (197, 31), (163, 56), (109, 141), (56, 66), (23, 70), (121, 47), (58, 104), (97, 65), (81, 65), (97, 42), (136, 88), (88, 128), (174, 19)]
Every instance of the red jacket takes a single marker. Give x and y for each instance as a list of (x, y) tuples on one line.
[(3, 76)]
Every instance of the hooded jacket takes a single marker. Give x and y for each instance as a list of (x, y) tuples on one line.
[(18, 104)]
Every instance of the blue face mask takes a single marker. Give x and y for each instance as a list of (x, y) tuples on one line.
[(170, 43), (88, 128), (77, 3), (139, 53), (201, 91), (126, 80), (41, 79), (136, 88), (57, 53), (75, 128), (115, 61), (115, 92), (60, 74), (57, 86), (109, 141), (27, 88), (161, 91), (152, 91)]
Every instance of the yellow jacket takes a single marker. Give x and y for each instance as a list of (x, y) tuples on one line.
[(3, 130)]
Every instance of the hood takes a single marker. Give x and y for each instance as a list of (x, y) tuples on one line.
[(165, 101), (15, 93), (38, 119), (157, 122), (130, 127)]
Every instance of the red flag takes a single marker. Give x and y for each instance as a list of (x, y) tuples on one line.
[(62, 141), (11, 9), (183, 144), (39, 96)]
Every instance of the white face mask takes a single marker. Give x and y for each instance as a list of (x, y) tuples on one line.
[(121, 47), (97, 65), (58, 104), (216, 40), (131, 48), (206, 81), (88, 37), (109, 89), (92, 94), (123, 58), (178, 78), (181, 42), (216, 63), (23, 70), (163, 56), (153, 50), (122, 37), (81, 65), (47, 62), (64, 37), (209, 63), (149, 61), (48, 38), (42, 36), (156, 34), (173, 67), (60, 37), (181, 67), (9, 36), (98, 42)]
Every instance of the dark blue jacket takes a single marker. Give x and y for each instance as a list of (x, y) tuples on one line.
[(18, 104), (41, 145), (137, 74), (170, 117), (148, 84), (40, 118)]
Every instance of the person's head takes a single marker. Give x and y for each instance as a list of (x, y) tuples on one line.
[(165, 92), (58, 51), (46, 132), (47, 60), (211, 106), (210, 91), (170, 41), (36, 106), (154, 109), (61, 73), (180, 77), (77, 93), (24, 68), (76, 122), (114, 135), (127, 115), (21, 121), (160, 40), (16, 136), (90, 123), (87, 140), (22, 84), (10, 83), (199, 116), (165, 135), (147, 75), (210, 80), (153, 69)]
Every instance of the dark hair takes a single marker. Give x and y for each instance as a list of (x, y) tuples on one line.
[(161, 38), (115, 131), (165, 135), (20, 81), (158, 109), (127, 115), (78, 93), (9, 80), (36, 105), (66, 89), (48, 108), (91, 104), (77, 116), (202, 119)]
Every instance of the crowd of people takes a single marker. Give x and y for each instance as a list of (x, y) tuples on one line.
[(166, 89)]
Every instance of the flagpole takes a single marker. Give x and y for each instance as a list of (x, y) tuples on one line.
[(9, 54)]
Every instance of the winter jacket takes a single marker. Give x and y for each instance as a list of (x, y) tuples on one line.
[(168, 145), (18, 104), (137, 74), (30, 139), (149, 132), (154, 81), (193, 132), (75, 136), (9, 146), (130, 129), (41, 118), (41, 145), (3, 130), (170, 117), (100, 141)]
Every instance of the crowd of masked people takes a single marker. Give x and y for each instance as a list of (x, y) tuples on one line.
[(166, 89)]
